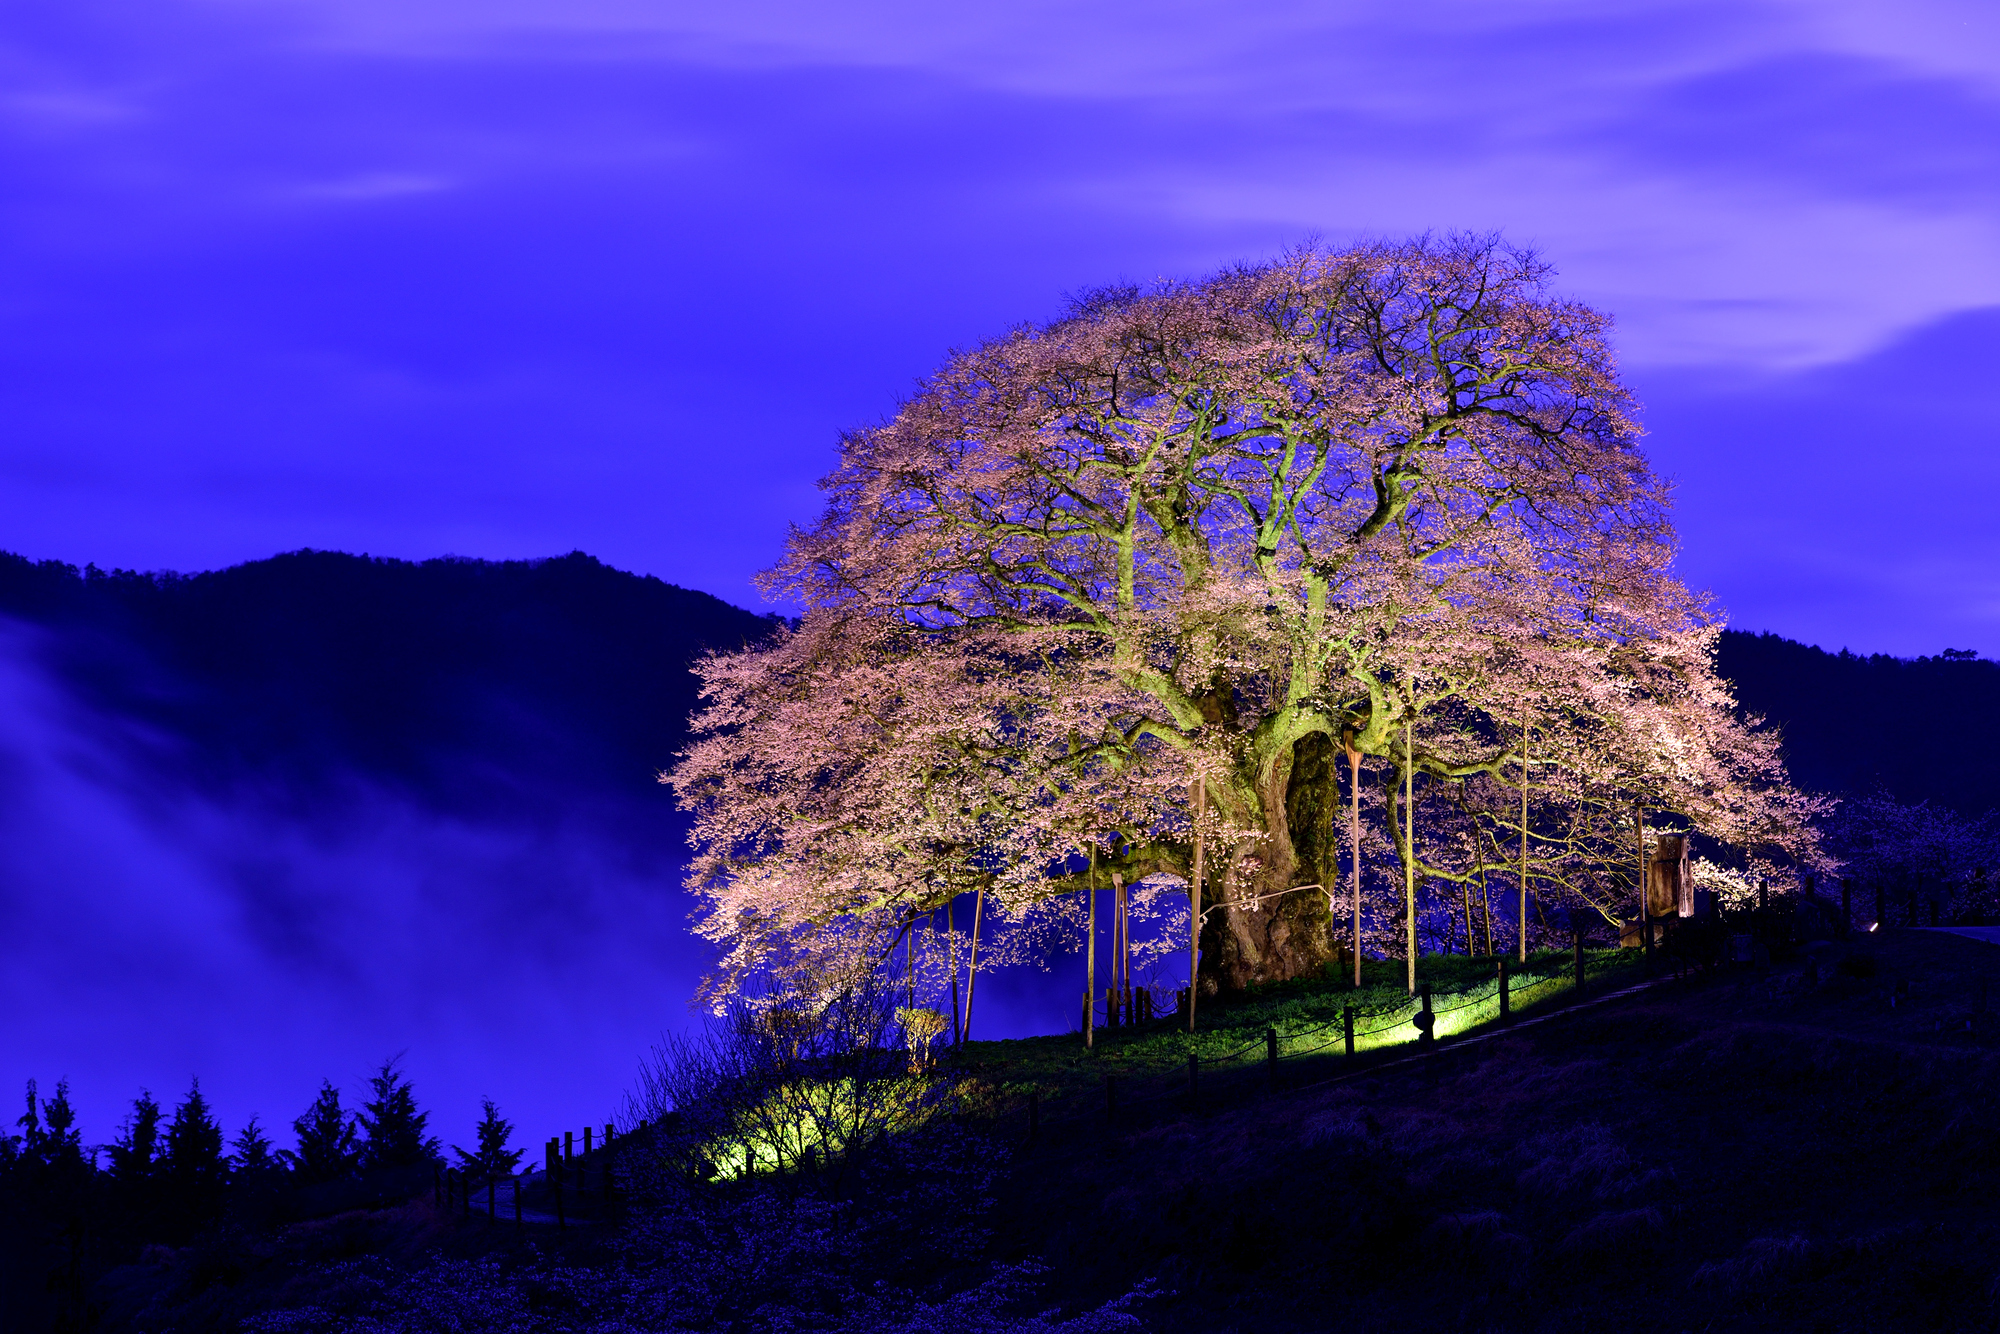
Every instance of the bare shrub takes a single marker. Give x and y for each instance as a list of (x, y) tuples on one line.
[(791, 1082)]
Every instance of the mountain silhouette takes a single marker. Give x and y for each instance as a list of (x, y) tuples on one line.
[(476, 687)]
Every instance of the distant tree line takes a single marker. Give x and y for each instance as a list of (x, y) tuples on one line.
[(69, 1211)]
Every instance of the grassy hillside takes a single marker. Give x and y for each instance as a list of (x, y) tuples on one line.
[(1231, 1042), (1771, 1150), (1802, 1148)]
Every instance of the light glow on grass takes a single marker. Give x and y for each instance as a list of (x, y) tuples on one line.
[(1306, 1015)]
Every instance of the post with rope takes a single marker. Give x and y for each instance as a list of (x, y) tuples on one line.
[(1425, 1021), (1346, 1029)]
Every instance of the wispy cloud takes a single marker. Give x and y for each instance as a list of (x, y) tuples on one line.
[(157, 931), (370, 186)]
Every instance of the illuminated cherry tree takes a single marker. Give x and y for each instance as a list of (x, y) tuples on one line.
[(1382, 502)]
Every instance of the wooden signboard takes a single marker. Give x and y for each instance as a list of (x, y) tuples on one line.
[(1670, 887)]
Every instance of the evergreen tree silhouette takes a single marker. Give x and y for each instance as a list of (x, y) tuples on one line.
[(135, 1164), (62, 1143), (250, 1152), (492, 1158), (29, 1144), (136, 1151), (326, 1149), (394, 1125), (192, 1167)]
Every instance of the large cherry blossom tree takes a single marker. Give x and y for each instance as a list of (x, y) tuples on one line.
[(1381, 505)]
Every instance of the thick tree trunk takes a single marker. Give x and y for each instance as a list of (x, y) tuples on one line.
[(1273, 930)]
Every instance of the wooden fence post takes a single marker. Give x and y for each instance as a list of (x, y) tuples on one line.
[(1426, 1021), (1347, 1028), (586, 1139), (569, 1146)]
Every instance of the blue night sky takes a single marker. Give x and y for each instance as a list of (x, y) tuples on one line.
[(505, 279)]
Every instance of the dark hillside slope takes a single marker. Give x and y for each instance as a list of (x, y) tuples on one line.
[(469, 685), (1781, 1150), (1924, 728)]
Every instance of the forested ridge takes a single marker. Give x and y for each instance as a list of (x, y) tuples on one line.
[(1919, 727), (465, 683), (471, 681)]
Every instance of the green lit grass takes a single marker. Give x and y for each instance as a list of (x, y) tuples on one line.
[(1306, 1014)]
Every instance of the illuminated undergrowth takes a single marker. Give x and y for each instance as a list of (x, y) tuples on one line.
[(810, 1124), (1306, 1013)]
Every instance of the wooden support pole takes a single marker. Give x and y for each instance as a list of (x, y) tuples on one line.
[(1090, 951), (972, 966), (586, 1139), (1122, 965), (1194, 899), (1409, 854), (1645, 889), (1346, 1028), (1523, 923), (1354, 847), (1426, 1020)]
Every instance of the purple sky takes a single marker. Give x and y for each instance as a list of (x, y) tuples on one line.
[(514, 277)]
